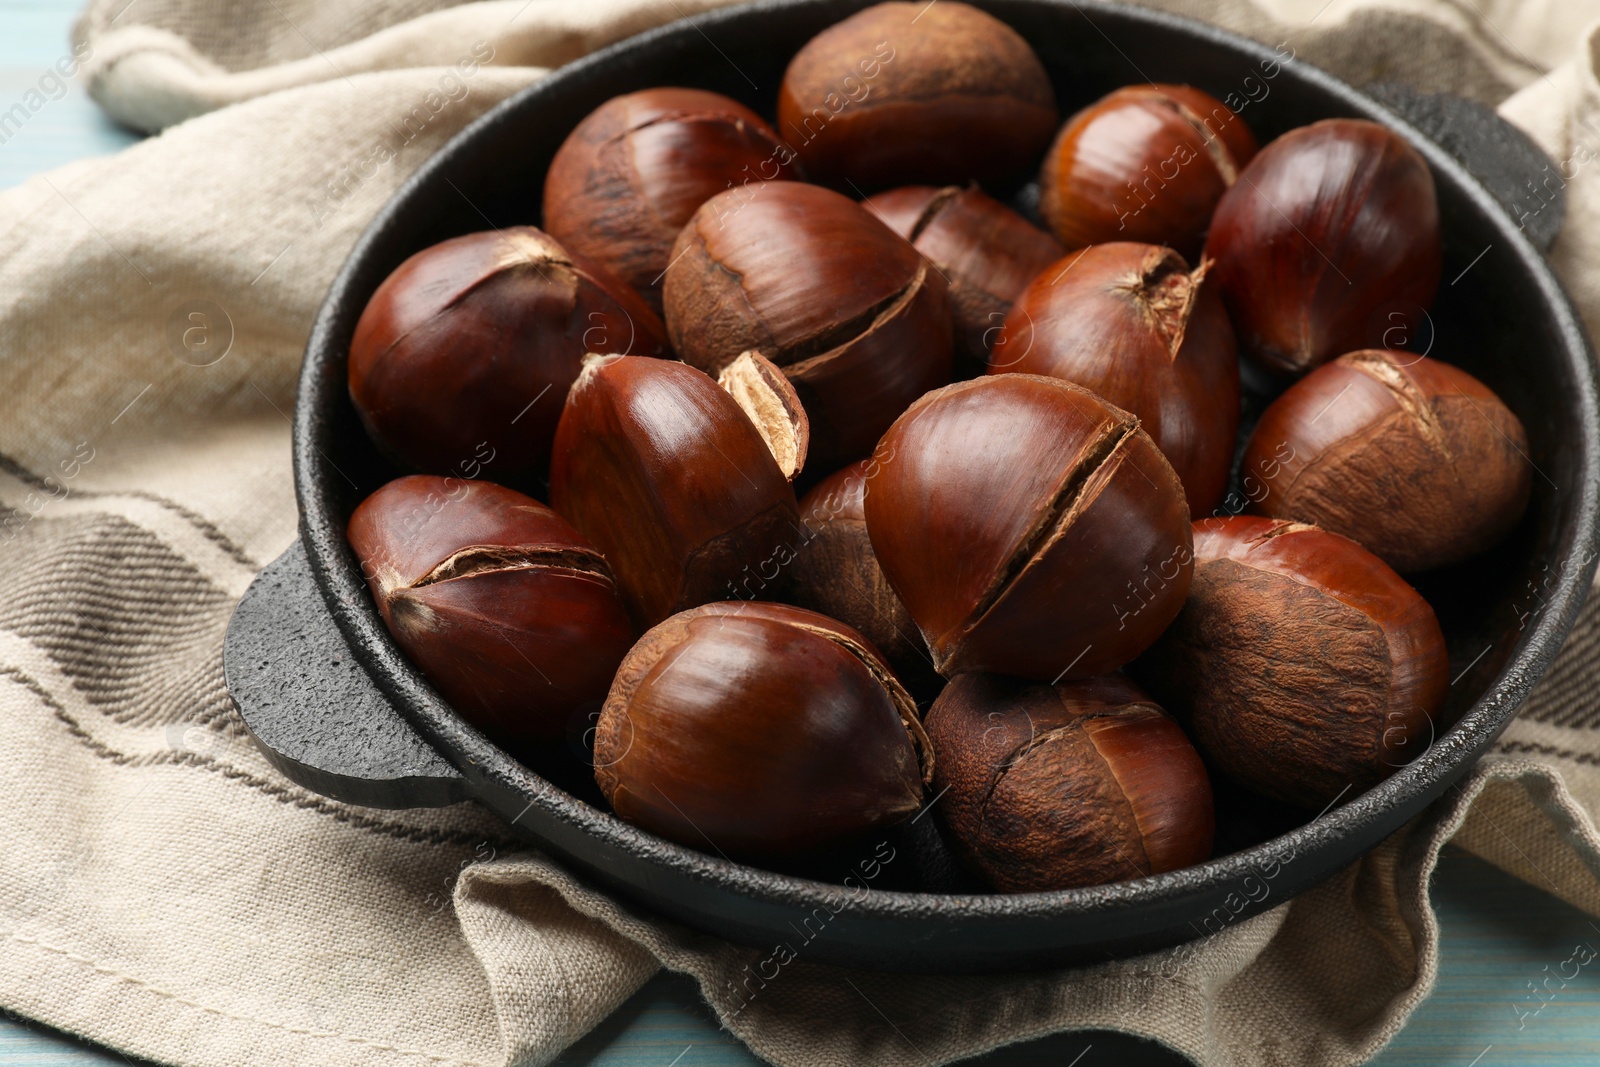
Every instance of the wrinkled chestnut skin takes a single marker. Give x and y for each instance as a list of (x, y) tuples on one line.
[(758, 731), (510, 613), (1030, 528), (1417, 461), (1132, 323), (1146, 163), (986, 252), (468, 348), (629, 175), (906, 92), (834, 572), (857, 319), (1305, 668), (659, 467), (1327, 226), (1054, 786)]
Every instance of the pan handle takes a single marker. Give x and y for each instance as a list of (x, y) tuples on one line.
[(313, 709)]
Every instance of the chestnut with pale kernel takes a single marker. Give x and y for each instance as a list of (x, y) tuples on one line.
[(1416, 460), (759, 731), (507, 610), (857, 319), (1145, 163), (1306, 669), (1327, 226), (1134, 324), (1054, 786), (468, 348), (1030, 528), (629, 175), (681, 481)]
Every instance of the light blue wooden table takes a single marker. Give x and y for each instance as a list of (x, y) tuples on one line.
[(1499, 934)]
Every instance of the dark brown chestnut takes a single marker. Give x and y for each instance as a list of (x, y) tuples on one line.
[(1328, 226), (468, 348), (1030, 528), (1417, 461), (507, 610), (682, 482), (629, 175), (986, 252), (1053, 786), (1134, 324), (911, 92), (857, 319), (759, 731), (1306, 668)]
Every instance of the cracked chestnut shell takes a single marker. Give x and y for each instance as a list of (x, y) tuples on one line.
[(630, 174), (1134, 324), (472, 343), (911, 92), (1329, 225), (1145, 163), (507, 610), (986, 252), (1054, 786), (857, 319), (759, 731), (683, 482), (1030, 528), (1416, 460), (1306, 668)]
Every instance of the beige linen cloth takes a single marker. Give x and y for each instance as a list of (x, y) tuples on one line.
[(163, 890)]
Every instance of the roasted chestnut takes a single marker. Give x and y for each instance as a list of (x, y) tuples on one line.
[(510, 614), (1327, 227), (682, 482), (1053, 786), (912, 92), (759, 730), (1416, 460), (986, 252), (629, 175), (857, 319), (1030, 528), (1145, 163), (1306, 668), (1134, 324), (463, 356)]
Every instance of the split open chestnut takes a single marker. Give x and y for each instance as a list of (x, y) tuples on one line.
[(1134, 324), (507, 610), (1306, 668), (759, 730), (1053, 786), (1030, 528)]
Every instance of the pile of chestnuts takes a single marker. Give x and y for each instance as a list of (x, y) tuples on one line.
[(815, 482)]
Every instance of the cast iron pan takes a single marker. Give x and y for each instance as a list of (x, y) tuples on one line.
[(338, 709)]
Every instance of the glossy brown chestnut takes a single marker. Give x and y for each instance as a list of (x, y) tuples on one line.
[(1134, 324), (468, 348), (835, 572), (629, 175), (759, 730), (1146, 163), (510, 613), (1417, 461), (1053, 786), (1030, 528), (904, 92), (857, 319), (1329, 239), (682, 482), (985, 251), (1306, 668)]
